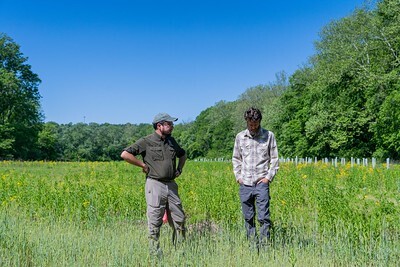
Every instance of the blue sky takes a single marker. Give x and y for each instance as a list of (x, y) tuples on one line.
[(124, 61)]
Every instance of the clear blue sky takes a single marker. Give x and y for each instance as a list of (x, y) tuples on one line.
[(124, 61)]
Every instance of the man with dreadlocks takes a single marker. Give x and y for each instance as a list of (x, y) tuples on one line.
[(255, 164)]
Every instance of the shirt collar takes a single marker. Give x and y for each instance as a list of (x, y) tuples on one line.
[(247, 133), (157, 137)]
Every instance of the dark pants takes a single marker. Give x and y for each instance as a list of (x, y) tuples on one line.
[(253, 197)]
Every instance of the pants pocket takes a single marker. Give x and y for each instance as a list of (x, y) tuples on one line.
[(152, 197)]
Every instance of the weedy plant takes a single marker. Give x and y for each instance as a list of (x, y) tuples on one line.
[(93, 214)]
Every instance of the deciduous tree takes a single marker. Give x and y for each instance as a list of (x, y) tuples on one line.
[(20, 115)]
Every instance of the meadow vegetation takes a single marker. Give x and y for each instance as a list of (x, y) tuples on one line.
[(93, 214)]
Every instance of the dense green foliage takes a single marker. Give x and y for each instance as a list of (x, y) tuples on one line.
[(94, 214), (344, 102), (88, 142), (20, 117)]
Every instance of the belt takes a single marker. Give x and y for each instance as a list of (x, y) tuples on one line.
[(161, 180)]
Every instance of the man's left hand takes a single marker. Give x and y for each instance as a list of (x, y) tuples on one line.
[(263, 180)]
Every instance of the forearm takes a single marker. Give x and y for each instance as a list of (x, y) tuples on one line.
[(128, 157), (181, 162)]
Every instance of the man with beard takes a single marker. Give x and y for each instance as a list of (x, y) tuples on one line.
[(159, 152), (255, 164)]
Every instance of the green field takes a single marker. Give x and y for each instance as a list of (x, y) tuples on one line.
[(93, 214)]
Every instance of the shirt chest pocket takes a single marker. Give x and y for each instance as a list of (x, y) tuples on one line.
[(246, 150), (156, 153), (171, 152), (262, 149)]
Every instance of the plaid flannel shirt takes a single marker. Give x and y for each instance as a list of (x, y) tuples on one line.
[(255, 157)]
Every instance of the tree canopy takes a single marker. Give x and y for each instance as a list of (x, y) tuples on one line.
[(338, 105), (20, 115)]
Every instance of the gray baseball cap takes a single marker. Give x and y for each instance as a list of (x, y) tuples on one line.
[(163, 117)]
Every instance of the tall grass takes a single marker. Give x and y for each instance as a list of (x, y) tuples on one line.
[(93, 214)]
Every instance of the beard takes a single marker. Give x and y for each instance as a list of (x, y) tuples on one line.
[(254, 132), (166, 133)]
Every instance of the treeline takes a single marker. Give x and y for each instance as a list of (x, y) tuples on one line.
[(344, 102), (87, 142), (211, 135)]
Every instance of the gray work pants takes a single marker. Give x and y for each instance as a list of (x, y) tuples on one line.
[(252, 198), (161, 196)]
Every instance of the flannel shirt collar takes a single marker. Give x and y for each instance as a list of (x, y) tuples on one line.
[(247, 133)]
